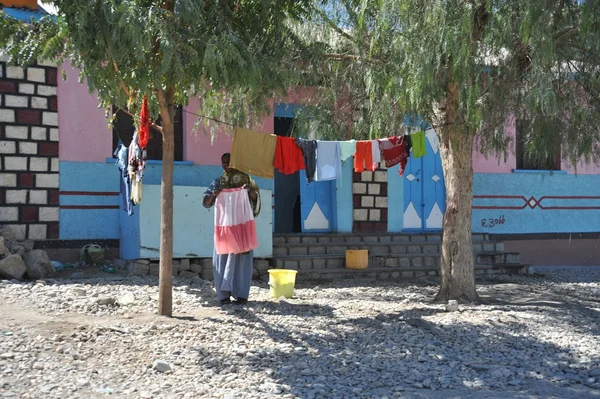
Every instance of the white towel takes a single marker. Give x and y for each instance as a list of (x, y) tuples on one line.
[(329, 164)]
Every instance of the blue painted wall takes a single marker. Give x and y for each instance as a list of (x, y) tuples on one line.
[(82, 177), (115, 223), (193, 234), (522, 203), (395, 200), (344, 205)]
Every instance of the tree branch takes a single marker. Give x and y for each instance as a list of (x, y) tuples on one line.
[(568, 31), (351, 57), (334, 26)]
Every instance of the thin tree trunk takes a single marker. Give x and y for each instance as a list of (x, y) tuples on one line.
[(165, 284), (456, 151)]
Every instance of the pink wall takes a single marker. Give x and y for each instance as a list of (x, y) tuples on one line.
[(494, 163), (84, 135), (582, 168), (197, 145)]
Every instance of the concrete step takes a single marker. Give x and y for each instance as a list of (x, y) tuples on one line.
[(387, 273), (332, 261), (377, 248), (357, 238)]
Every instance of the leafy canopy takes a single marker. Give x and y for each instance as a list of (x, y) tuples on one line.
[(376, 61), (129, 48)]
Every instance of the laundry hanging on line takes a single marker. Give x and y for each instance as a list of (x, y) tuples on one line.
[(260, 154)]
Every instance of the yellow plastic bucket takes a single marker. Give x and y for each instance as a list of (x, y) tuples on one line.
[(282, 282)]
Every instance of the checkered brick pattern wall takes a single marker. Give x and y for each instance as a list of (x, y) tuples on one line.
[(29, 150), (369, 191)]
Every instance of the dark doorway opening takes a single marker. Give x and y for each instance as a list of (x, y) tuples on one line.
[(287, 189), (124, 128)]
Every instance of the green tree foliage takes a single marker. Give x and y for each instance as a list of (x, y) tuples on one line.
[(168, 50), (467, 67)]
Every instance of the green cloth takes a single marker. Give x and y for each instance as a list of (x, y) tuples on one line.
[(419, 145)]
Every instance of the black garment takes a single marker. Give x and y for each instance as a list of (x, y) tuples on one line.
[(309, 151), (408, 142)]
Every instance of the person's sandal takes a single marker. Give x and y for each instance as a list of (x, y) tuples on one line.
[(226, 301), (240, 301)]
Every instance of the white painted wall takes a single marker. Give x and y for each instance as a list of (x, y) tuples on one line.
[(193, 224)]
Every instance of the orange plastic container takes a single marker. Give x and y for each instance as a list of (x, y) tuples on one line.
[(357, 258)]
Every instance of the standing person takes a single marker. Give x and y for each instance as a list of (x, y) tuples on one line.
[(232, 272)]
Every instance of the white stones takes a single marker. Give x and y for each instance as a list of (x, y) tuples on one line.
[(7, 115), (54, 165), (374, 189), (374, 215), (37, 231), (46, 180), (38, 197), (53, 134), (359, 188), (381, 176), (16, 196), (161, 366), (14, 72), (50, 118), (15, 101), (16, 132), (48, 214), (452, 306), (38, 164), (324, 343), (126, 300), (9, 213), (15, 163), (361, 215), (26, 88), (8, 180), (367, 201), (381, 202), (366, 176), (39, 102), (36, 74), (39, 133), (46, 90), (27, 148), (8, 147)]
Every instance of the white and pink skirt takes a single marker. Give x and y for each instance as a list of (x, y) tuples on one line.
[(235, 229)]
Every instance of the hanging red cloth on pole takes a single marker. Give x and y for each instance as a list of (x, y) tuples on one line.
[(144, 135)]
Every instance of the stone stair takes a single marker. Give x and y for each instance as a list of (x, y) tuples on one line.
[(395, 256)]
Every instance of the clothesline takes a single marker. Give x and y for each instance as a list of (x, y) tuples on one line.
[(260, 154)]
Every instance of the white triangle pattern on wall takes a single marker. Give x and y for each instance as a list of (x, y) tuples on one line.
[(411, 217), (435, 218), (434, 142), (316, 219)]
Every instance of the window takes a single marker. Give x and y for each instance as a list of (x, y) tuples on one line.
[(524, 162), (124, 128)]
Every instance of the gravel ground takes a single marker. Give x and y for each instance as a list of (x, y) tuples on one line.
[(534, 336)]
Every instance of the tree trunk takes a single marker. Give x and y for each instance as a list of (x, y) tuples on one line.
[(165, 284), (456, 151)]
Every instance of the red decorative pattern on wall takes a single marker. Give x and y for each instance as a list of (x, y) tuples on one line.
[(533, 203)]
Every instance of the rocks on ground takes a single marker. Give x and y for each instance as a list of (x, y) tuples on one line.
[(536, 335)]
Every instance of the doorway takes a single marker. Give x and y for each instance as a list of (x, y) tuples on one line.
[(286, 188), (424, 189)]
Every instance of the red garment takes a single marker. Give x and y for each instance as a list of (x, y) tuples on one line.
[(363, 158), (394, 152), (288, 156), (144, 135)]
